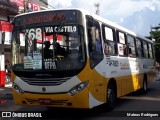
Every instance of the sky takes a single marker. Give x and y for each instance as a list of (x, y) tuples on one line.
[(136, 15)]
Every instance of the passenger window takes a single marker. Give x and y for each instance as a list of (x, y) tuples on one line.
[(131, 46), (122, 47), (145, 49), (139, 48), (109, 41), (150, 51)]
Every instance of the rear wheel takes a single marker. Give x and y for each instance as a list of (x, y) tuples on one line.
[(145, 86)]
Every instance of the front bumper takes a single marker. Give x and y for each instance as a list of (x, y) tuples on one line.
[(80, 100)]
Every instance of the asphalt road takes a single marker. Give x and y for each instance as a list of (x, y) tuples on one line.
[(132, 106)]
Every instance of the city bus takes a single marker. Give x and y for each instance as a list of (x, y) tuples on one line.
[(99, 61)]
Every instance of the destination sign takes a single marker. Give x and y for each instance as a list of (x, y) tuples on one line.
[(45, 16), (62, 29)]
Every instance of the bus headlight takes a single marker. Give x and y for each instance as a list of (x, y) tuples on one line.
[(78, 88), (17, 88)]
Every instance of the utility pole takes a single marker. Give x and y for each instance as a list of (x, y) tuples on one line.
[(97, 8)]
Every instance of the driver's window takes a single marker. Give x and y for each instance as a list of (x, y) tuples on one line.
[(95, 42)]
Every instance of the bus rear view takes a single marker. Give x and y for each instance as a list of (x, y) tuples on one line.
[(48, 55)]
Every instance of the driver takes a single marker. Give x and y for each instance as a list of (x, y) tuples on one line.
[(47, 52)]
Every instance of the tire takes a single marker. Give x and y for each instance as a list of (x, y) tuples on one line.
[(111, 96), (145, 87)]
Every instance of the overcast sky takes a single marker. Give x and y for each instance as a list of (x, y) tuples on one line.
[(136, 15)]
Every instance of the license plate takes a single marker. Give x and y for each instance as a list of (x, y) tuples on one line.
[(45, 101)]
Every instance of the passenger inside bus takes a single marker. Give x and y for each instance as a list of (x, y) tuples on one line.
[(47, 52), (98, 41), (127, 50), (106, 48), (59, 50)]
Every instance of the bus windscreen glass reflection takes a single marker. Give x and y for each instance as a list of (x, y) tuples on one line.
[(52, 48)]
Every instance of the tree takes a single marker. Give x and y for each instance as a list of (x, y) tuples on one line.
[(155, 34)]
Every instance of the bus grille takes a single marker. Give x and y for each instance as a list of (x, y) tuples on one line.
[(45, 81)]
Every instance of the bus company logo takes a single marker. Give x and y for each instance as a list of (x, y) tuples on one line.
[(6, 114), (44, 89), (124, 66), (113, 63)]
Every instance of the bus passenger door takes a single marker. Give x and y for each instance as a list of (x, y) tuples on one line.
[(95, 57)]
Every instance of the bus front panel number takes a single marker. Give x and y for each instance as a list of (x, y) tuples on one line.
[(50, 65)]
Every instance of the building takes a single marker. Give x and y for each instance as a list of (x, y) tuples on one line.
[(8, 9)]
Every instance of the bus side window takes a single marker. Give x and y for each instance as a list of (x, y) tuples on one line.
[(139, 48), (150, 51), (106, 48), (145, 49), (127, 50), (122, 45), (96, 45), (90, 39), (110, 46), (131, 46)]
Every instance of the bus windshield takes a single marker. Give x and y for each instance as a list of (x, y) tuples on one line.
[(48, 48)]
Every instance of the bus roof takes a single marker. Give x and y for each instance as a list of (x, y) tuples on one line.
[(114, 25), (97, 17)]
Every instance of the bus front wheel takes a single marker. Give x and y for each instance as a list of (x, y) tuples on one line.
[(111, 96)]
